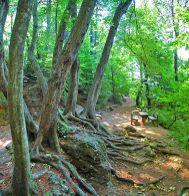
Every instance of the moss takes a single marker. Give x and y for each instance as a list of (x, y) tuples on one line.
[(88, 151)]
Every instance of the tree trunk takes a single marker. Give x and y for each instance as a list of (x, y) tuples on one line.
[(56, 18), (48, 17), (95, 88), (30, 123), (21, 173), (175, 35), (62, 67), (4, 6), (73, 89), (61, 32), (35, 66), (53, 141), (139, 93), (147, 93), (74, 77), (113, 84)]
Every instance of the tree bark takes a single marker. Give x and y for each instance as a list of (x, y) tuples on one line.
[(139, 93), (30, 123), (53, 141), (21, 173), (48, 19), (4, 6), (113, 84), (61, 32), (56, 18), (175, 35), (95, 88), (73, 89), (147, 93), (62, 67), (74, 76), (31, 53)]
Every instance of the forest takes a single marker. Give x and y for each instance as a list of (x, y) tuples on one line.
[(94, 97)]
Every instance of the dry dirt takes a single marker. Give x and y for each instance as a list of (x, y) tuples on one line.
[(175, 168)]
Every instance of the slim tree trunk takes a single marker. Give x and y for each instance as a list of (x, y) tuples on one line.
[(175, 35), (31, 53), (54, 144), (21, 173), (48, 16), (56, 18), (4, 6), (61, 32), (95, 88), (74, 77), (139, 93), (62, 67), (147, 93), (30, 123), (113, 84), (73, 89)]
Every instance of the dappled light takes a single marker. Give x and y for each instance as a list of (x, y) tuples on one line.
[(94, 97)]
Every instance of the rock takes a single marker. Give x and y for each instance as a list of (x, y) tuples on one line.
[(88, 152), (79, 109), (130, 128)]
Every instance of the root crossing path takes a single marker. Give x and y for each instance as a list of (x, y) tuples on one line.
[(143, 164), (168, 170)]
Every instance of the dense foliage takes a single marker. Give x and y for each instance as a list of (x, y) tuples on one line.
[(141, 62)]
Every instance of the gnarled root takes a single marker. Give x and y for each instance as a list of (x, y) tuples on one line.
[(122, 157), (139, 183), (68, 170), (164, 151)]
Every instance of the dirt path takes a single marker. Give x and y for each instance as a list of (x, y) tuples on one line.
[(175, 168)]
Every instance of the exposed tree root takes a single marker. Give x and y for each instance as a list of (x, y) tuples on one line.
[(131, 181), (136, 135), (38, 174), (119, 178), (118, 156), (78, 177), (123, 142), (68, 170), (164, 151), (81, 121), (137, 147)]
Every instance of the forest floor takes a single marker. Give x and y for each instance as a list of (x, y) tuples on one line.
[(175, 168)]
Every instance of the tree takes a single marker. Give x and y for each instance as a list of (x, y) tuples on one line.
[(4, 5), (62, 67), (30, 123), (21, 173), (175, 36), (70, 107), (95, 88)]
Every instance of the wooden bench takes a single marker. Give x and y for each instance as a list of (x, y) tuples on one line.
[(153, 119), (135, 117), (144, 116)]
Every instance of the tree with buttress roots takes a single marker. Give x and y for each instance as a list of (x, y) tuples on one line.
[(12, 87)]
